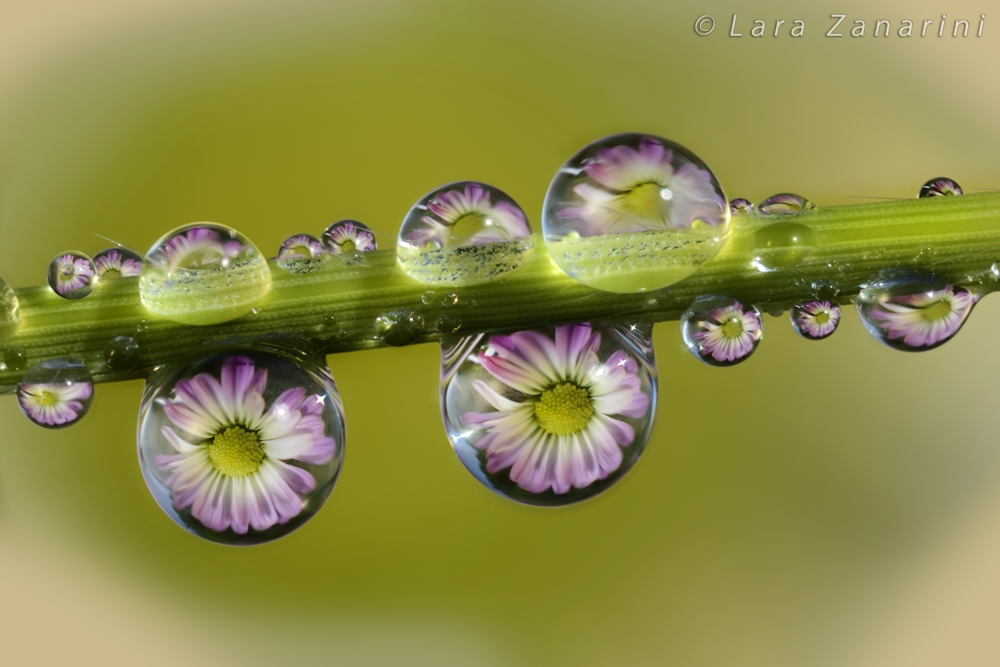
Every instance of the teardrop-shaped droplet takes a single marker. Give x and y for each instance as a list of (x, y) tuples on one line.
[(72, 275), (348, 238), (634, 212), (740, 207), (782, 245), (815, 320), (940, 187), (529, 414), (914, 313), (463, 233), (117, 262), (10, 311), (203, 273), (121, 353), (721, 331), (56, 393), (399, 327), (241, 445), (785, 203), (302, 253)]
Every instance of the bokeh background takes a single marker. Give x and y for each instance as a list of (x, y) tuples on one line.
[(833, 503)]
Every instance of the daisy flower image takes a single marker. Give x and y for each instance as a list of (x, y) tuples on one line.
[(785, 203), (301, 246), (72, 275), (940, 187), (465, 214), (815, 319), (920, 321), (725, 335), (55, 404), (118, 262), (349, 236), (197, 248)]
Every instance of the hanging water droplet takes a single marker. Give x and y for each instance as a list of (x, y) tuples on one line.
[(463, 233), (10, 311), (825, 290), (203, 273), (349, 237), (302, 253), (15, 358), (399, 327), (782, 245), (815, 320), (634, 212), (550, 416), (741, 207), (121, 353), (940, 187), (449, 300), (721, 331), (72, 275), (56, 393), (262, 429), (785, 203), (447, 323), (117, 262), (914, 313)]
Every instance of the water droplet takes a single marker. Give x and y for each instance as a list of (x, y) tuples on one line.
[(15, 358), (256, 310), (995, 270), (269, 456), (121, 353), (349, 237), (914, 313), (447, 323), (10, 311), (815, 320), (634, 212), (203, 273), (825, 290), (72, 275), (463, 233), (399, 327), (741, 207), (785, 203), (776, 312), (56, 393), (449, 300), (142, 327), (427, 298), (782, 245), (117, 262), (940, 187), (541, 434), (721, 331), (302, 253)]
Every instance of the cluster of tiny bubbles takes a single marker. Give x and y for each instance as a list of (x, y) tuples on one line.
[(463, 233), (914, 312), (721, 331), (399, 327), (203, 273), (815, 320), (118, 262), (302, 253), (940, 187), (72, 275), (554, 433), (782, 245), (785, 203), (241, 443), (634, 213), (121, 353), (349, 239), (10, 311), (56, 393), (740, 207)]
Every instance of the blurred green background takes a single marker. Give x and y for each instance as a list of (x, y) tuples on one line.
[(828, 503)]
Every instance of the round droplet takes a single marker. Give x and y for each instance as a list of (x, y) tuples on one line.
[(302, 253), (785, 203), (721, 331), (243, 445), (550, 416), (740, 207), (447, 323), (427, 298), (117, 262), (15, 358), (782, 245), (349, 237), (449, 300), (399, 327), (914, 313), (940, 187), (141, 327), (463, 233), (815, 320), (72, 275), (56, 393), (634, 212), (203, 273), (825, 290), (10, 311), (121, 353)]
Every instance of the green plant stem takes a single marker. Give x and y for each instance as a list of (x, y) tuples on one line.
[(957, 238)]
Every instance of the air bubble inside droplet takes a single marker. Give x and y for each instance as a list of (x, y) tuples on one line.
[(72, 275), (782, 245), (56, 393), (721, 331), (399, 327), (10, 311), (121, 353), (815, 320)]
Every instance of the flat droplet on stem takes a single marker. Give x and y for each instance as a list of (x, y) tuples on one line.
[(940, 187), (785, 203)]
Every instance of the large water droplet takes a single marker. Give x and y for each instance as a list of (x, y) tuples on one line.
[(815, 320), (56, 393), (463, 233), (785, 203), (782, 245), (550, 416), (914, 313), (242, 445), (940, 187), (203, 273), (399, 327), (348, 238), (121, 353), (72, 275), (302, 253), (740, 207), (634, 212), (117, 262), (721, 331), (10, 311)]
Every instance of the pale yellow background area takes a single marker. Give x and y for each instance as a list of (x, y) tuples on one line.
[(833, 503)]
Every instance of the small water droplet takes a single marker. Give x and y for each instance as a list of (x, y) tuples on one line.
[(56, 393), (349, 238), (72, 275), (940, 187), (256, 310), (741, 207), (142, 327), (10, 311), (117, 263), (721, 331), (399, 327), (449, 300), (302, 253), (815, 320), (121, 353), (427, 298), (447, 323), (776, 312), (825, 290), (995, 270), (782, 245), (15, 358), (785, 203)]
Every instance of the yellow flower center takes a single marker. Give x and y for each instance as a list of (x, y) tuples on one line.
[(649, 201), (733, 328), (236, 452), (347, 246), (937, 311), (564, 409), (48, 399), (822, 317)]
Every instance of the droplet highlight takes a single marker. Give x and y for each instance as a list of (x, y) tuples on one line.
[(914, 314), (940, 187), (785, 203), (10, 311), (72, 275), (721, 331), (348, 238), (121, 353), (56, 393), (815, 320), (399, 327), (117, 263)]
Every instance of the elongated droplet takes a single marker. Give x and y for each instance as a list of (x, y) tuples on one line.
[(633, 213), (785, 203), (241, 445), (117, 263), (302, 253), (815, 320), (348, 238), (782, 245), (399, 327), (531, 414), (72, 275), (56, 393), (10, 311), (940, 187), (121, 353), (721, 331), (203, 273), (741, 207), (914, 313)]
